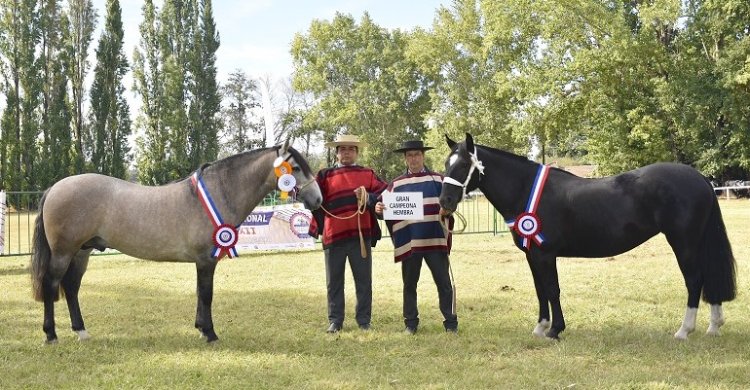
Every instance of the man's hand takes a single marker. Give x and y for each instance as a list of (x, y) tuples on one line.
[(379, 207), (360, 192)]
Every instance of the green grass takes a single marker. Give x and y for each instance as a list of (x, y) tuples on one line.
[(270, 313)]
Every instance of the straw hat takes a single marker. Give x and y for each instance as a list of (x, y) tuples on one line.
[(412, 145), (346, 139)]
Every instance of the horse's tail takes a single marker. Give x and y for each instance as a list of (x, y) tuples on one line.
[(717, 260), (40, 255)]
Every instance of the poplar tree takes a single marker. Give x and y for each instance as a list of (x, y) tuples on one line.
[(205, 98), (20, 121), (175, 75), (110, 113), (149, 84), (82, 21)]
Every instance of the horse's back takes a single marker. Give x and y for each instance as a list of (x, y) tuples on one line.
[(612, 215), (117, 213)]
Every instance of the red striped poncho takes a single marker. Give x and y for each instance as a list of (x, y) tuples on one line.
[(337, 186)]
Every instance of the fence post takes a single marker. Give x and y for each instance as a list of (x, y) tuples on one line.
[(2, 222)]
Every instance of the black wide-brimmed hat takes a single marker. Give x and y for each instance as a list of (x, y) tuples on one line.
[(412, 145)]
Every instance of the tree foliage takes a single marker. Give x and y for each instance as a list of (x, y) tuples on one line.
[(243, 130), (175, 76), (110, 112), (618, 83), (363, 84)]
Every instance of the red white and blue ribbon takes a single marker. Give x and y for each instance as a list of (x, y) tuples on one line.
[(225, 236), (527, 224)]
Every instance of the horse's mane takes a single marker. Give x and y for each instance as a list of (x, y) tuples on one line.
[(233, 160), (229, 162), (516, 157)]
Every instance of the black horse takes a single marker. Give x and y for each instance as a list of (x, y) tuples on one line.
[(554, 213)]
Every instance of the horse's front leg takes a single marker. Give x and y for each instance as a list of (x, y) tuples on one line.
[(543, 322), (203, 321), (547, 268)]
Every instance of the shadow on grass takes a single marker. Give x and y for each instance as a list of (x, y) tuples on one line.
[(14, 270)]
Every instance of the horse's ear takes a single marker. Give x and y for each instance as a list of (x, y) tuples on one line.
[(451, 143), (469, 143), (284, 147)]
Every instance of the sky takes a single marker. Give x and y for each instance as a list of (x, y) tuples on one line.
[(256, 34)]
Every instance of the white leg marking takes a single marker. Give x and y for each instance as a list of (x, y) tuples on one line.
[(83, 335), (540, 328), (688, 324), (717, 320)]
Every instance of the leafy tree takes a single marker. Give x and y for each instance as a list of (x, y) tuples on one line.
[(363, 84), (241, 127), (56, 114), (110, 113), (82, 18), (205, 97), (149, 82), (20, 121), (176, 78)]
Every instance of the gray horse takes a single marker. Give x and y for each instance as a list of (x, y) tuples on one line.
[(166, 223)]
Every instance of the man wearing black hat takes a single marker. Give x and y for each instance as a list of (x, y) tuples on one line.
[(414, 240)]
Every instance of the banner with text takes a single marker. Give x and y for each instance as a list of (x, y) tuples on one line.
[(276, 227), (2, 221)]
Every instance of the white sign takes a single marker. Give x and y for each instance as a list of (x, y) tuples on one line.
[(401, 206), (2, 221)]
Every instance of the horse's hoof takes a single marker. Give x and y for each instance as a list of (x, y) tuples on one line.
[(713, 328), (83, 335), (50, 342), (540, 328), (681, 335), (553, 334)]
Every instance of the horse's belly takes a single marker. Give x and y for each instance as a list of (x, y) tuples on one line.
[(605, 243), (151, 246)]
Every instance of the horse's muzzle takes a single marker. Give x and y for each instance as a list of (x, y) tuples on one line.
[(445, 212)]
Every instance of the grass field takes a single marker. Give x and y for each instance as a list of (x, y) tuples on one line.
[(270, 313)]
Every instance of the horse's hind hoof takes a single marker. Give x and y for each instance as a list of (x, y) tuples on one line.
[(83, 335), (553, 334), (50, 342)]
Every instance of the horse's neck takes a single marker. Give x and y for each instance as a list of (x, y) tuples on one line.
[(238, 191), (507, 182)]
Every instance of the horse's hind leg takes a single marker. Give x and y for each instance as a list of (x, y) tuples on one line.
[(57, 268), (203, 321), (717, 320), (686, 258), (71, 283)]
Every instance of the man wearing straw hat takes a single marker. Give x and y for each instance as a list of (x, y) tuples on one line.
[(348, 228), (428, 239)]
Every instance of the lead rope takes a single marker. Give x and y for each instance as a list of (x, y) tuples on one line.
[(361, 209), (447, 231)]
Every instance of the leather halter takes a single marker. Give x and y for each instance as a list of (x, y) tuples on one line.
[(475, 164)]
